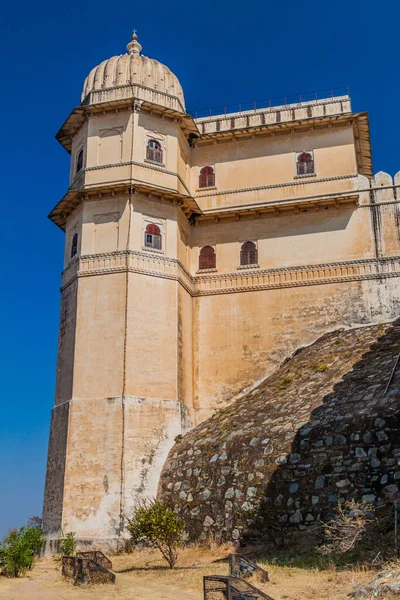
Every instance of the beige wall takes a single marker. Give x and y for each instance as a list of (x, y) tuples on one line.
[(294, 239), (241, 338), (99, 343), (272, 160)]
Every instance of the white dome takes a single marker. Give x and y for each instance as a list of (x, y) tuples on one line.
[(114, 78)]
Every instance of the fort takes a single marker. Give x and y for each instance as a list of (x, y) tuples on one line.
[(200, 253)]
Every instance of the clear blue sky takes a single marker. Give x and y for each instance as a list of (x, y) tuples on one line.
[(223, 52)]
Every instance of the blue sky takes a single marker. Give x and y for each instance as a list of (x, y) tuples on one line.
[(223, 53)]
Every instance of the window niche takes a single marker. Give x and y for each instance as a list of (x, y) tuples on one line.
[(207, 177), (305, 164), (207, 259), (74, 245), (154, 151), (153, 237), (79, 161), (248, 254)]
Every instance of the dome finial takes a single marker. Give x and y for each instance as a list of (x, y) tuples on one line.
[(134, 47)]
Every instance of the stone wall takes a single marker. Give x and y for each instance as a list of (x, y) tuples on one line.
[(318, 431)]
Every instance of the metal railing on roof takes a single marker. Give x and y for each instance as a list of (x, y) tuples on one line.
[(272, 102)]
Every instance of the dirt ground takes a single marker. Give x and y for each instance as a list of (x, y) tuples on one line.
[(143, 576)]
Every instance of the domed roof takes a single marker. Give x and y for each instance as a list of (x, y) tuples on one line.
[(113, 79)]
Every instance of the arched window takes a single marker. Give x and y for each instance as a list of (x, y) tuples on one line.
[(305, 163), (206, 177), (207, 258), (154, 151), (152, 237), (74, 245), (79, 160), (248, 254)]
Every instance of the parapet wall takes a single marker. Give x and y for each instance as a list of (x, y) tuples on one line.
[(274, 115)]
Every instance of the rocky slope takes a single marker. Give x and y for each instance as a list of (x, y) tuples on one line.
[(319, 430)]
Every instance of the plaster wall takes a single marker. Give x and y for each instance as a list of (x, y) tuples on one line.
[(241, 338), (100, 335), (305, 238), (253, 162), (92, 486), (151, 343), (109, 139)]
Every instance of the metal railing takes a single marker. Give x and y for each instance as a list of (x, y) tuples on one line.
[(219, 587), (266, 103), (98, 557), (240, 566)]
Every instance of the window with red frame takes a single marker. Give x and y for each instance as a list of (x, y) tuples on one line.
[(152, 237), (206, 177), (154, 151), (305, 163), (207, 258), (248, 254)]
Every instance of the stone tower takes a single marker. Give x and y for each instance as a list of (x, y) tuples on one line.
[(124, 355), (199, 253)]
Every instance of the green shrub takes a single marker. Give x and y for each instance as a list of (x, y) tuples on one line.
[(18, 551), (155, 522), (66, 543), (320, 368), (285, 381)]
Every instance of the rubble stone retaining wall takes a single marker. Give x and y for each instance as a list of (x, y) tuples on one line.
[(319, 431)]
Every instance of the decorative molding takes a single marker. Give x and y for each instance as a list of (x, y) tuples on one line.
[(154, 162), (153, 250), (213, 283), (137, 105), (200, 271), (128, 163), (132, 92), (254, 266), (305, 176)]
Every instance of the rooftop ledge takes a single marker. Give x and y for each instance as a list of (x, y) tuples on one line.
[(278, 207), (299, 111)]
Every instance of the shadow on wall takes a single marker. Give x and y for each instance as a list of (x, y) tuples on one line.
[(348, 449), (319, 430)]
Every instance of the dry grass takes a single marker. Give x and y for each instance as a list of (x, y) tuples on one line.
[(144, 575)]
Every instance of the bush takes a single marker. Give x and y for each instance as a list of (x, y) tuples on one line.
[(285, 381), (348, 528), (18, 551), (66, 543), (155, 522)]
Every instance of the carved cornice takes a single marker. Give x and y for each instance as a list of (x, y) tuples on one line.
[(226, 283), (147, 165)]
